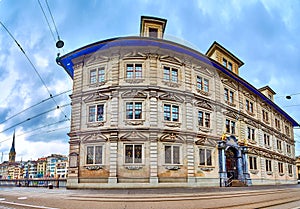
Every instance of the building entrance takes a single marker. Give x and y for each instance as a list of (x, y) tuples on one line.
[(231, 163)]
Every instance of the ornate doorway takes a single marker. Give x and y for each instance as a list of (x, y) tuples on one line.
[(231, 163)]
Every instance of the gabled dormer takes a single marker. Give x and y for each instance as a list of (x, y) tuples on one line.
[(224, 57), (153, 27), (268, 92)]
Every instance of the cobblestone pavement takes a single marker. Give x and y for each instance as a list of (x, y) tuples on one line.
[(238, 197)]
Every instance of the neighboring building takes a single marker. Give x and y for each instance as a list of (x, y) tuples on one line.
[(41, 167), (52, 162), (30, 169), (61, 169), (148, 112)]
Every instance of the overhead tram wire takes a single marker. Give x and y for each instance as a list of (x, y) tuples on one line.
[(40, 114), (38, 128), (44, 100), (59, 43), (47, 21), (32, 65)]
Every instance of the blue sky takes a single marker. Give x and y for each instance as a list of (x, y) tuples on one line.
[(263, 34)]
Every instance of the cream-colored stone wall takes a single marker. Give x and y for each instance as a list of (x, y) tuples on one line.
[(152, 132)]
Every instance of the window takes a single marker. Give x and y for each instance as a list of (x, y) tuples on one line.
[(97, 75), (280, 167), (153, 32), (202, 84), (94, 154), (96, 113), (290, 168), (279, 145), (251, 133), (267, 140), (288, 149), (224, 62), (228, 96), (133, 110), (277, 123), (171, 113), (268, 165), (230, 66), (170, 74), (133, 153), (204, 119), (172, 154), (230, 126), (287, 130), (205, 157), (133, 71), (249, 106), (252, 163), (265, 115)]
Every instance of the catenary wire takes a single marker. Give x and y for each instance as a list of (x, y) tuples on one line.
[(52, 19), (33, 66), (47, 21), (38, 128), (40, 114), (33, 106)]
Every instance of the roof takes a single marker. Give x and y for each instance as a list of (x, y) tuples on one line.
[(216, 45), (66, 61), (153, 19), (267, 88)]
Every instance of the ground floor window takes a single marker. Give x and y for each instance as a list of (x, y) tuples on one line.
[(172, 154), (133, 153), (290, 168), (94, 154), (280, 167), (268, 165), (252, 163), (205, 157)]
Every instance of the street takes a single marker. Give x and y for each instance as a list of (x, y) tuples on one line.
[(274, 197)]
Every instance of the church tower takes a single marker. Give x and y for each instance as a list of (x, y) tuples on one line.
[(12, 152)]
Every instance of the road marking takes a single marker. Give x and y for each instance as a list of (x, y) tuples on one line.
[(26, 205), (2, 199), (22, 198)]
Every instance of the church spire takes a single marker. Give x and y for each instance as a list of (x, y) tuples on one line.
[(12, 152)]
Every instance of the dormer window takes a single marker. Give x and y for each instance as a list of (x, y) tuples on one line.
[(224, 62), (153, 32)]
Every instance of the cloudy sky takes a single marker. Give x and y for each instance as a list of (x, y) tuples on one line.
[(263, 34)]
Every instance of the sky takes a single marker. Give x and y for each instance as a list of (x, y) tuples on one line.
[(263, 34)]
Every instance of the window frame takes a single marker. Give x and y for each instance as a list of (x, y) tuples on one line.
[(204, 122), (133, 154), (202, 84), (94, 145), (230, 126), (267, 140), (89, 106), (251, 133), (170, 77), (268, 166), (205, 163), (280, 167), (134, 110), (137, 73), (229, 96), (179, 146), (171, 113), (97, 71), (253, 163)]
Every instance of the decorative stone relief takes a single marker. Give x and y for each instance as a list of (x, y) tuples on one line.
[(97, 96), (204, 104), (172, 167), (134, 94), (171, 84), (93, 167), (133, 136), (168, 58), (171, 137), (172, 124), (134, 81), (134, 122), (94, 138), (133, 167), (95, 124), (171, 97)]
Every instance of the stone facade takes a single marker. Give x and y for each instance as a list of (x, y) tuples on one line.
[(147, 112)]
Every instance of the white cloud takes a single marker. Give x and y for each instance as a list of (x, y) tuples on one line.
[(41, 62)]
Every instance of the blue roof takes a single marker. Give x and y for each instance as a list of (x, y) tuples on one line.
[(66, 60)]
